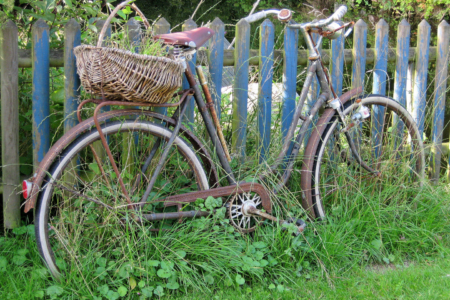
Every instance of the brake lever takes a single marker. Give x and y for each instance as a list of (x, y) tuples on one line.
[(349, 30)]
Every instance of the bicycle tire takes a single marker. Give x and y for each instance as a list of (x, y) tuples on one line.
[(59, 202), (330, 170)]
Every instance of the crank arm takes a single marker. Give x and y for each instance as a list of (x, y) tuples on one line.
[(251, 210)]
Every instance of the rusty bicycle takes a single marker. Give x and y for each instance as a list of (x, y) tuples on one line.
[(149, 168)]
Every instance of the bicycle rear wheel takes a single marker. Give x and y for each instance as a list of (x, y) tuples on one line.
[(82, 210), (388, 141)]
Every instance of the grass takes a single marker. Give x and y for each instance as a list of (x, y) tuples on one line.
[(360, 253)]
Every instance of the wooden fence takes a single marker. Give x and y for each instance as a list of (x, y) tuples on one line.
[(410, 86)]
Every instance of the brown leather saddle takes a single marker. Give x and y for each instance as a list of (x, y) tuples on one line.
[(193, 38)]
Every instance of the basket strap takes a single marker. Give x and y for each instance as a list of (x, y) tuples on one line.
[(112, 15)]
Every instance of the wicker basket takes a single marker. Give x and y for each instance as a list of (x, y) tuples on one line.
[(120, 74)]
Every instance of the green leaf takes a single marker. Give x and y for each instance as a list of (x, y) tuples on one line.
[(280, 288), (132, 282), (164, 273), (101, 261), (141, 284), (271, 286), (159, 291), (376, 244), (94, 167), (22, 252), (181, 253), (19, 259), (122, 14), (111, 295), (148, 291), (209, 279), (103, 289), (172, 285), (39, 294), (20, 230), (259, 245), (68, 3), (122, 291), (153, 263), (391, 257), (386, 260), (54, 291), (3, 263), (239, 279)]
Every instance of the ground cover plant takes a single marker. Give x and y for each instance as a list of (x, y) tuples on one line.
[(349, 254)]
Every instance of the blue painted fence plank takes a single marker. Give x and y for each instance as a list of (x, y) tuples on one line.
[(189, 114), (337, 64), (240, 88), (161, 27), (402, 53), (359, 54), (216, 50), (420, 76), (72, 38), (289, 78), (440, 88), (41, 90), (379, 81), (266, 57), (403, 37)]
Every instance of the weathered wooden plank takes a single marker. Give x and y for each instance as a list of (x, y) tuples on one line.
[(337, 63), (131, 140), (99, 24), (289, 78), (379, 81), (41, 91), (72, 38), (266, 46), (10, 124), (215, 60), (359, 54), (57, 56), (421, 74), (161, 27), (189, 114), (440, 88), (402, 50), (240, 89)]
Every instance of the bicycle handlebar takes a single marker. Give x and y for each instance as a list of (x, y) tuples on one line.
[(338, 14), (285, 15)]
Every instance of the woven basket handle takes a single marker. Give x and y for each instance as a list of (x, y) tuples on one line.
[(113, 14)]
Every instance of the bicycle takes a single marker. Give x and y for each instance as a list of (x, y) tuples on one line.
[(157, 168)]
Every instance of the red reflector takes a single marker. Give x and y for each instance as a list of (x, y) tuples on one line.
[(26, 188)]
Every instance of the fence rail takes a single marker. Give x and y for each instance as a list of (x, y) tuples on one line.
[(410, 85)]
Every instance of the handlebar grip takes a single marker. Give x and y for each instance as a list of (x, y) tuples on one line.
[(339, 13)]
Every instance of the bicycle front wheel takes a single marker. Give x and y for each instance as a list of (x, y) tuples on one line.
[(82, 210), (388, 142)]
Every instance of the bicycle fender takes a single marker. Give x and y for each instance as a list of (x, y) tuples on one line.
[(84, 126), (308, 160)]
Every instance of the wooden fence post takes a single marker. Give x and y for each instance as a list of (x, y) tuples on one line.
[(266, 58), (359, 54), (289, 78), (240, 88), (10, 124), (41, 90), (216, 62), (161, 27), (403, 36), (72, 38), (420, 76), (440, 87), (337, 63), (379, 80), (189, 24)]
